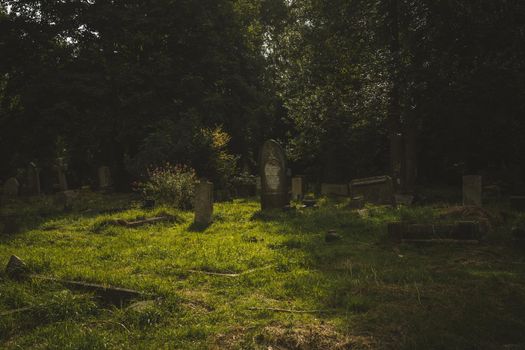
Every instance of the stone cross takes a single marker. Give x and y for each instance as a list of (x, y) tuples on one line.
[(297, 188), (203, 203), (472, 190), (274, 191)]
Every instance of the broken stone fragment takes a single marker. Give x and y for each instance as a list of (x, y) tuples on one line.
[(16, 267), (331, 236)]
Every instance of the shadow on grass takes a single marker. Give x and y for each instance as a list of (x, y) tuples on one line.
[(196, 227), (405, 296)]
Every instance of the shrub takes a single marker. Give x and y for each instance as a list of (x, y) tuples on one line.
[(170, 184)]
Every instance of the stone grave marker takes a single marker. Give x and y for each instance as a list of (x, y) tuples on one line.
[(377, 189), (104, 177), (11, 187), (203, 203), (334, 190), (33, 179), (274, 192), (297, 188), (60, 168), (472, 190)]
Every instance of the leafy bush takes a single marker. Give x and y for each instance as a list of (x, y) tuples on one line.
[(170, 184)]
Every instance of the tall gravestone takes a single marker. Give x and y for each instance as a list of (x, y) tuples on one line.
[(472, 190), (274, 191), (104, 177), (61, 168), (33, 179), (297, 188), (203, 203)]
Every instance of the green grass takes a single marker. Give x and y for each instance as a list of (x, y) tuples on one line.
[(376, 295)]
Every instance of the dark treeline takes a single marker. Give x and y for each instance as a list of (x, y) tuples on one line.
[(428, 89)]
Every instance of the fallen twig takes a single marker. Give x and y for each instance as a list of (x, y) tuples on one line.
[(137, 223), (230, 274), (16, 311), (290, 311)]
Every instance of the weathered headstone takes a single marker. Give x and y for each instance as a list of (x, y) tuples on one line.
[(104, 177), (33, 179), (334, 189), (66, 199), (378, 189), (403, 199), (297, 188), (472, 190), (60, 168), (274, 192), (203, 203), (11, 187)]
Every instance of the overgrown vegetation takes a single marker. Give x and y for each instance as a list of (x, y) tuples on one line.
[(171, 185), (363, 291)]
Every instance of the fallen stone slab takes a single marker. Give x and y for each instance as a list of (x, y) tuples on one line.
[(461, 230), (110, 294)]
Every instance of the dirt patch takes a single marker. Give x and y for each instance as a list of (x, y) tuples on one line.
[(280, 337)]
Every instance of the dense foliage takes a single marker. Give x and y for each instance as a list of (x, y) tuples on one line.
[(428, 89)]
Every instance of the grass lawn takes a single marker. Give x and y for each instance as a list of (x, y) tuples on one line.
[(361, 292)]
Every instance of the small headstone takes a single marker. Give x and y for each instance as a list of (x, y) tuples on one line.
[(309, 202), (66, 199), (334, 189), (378, 189), (331, 236), (148, 203), (297, 188), (472, 190), (203, 203), (403, 199), (104, 177), (33, 179), (357, 203), (11, 187), (16, 268), (274, 192)]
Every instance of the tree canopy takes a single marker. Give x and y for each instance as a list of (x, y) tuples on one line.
[(427, 89)]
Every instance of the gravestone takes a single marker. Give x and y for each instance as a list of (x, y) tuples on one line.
[(297, 188), (104, 177), (334, 189), (11, 187), (60, 168), (203, 203), (377, 189), (274, 191), (33, 179), (403, 199), (472, 190)]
